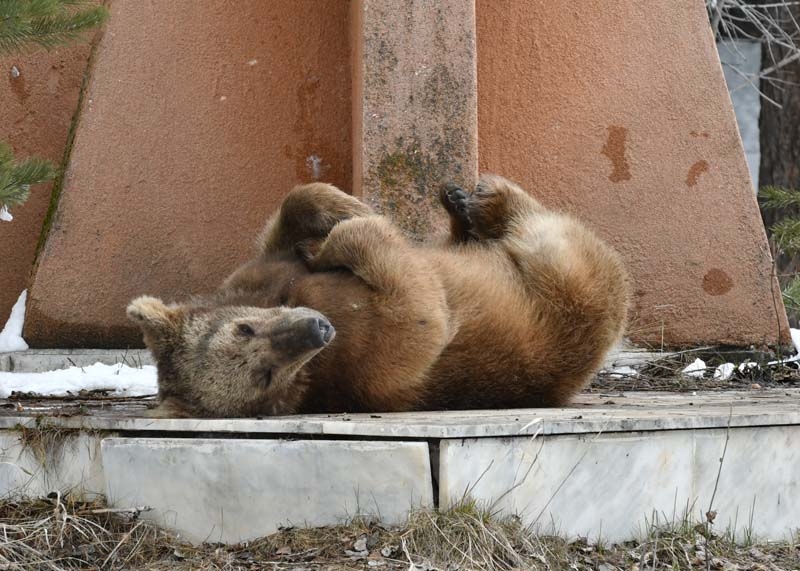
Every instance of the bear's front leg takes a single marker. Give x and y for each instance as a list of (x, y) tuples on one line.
[(372, 249), (306, 217)]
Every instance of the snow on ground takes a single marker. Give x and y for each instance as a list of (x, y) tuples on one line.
[(696, 368), (724, 371), (119, 380), (11, 335)]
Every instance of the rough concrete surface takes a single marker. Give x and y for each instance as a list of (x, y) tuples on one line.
[(415, 106), (197, 120), (619, 113), (38, 97)]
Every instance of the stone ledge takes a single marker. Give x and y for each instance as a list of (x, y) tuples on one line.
[(42, 360), (599, 469), (620, 412)]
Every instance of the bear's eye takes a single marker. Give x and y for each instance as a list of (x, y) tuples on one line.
[(245, 330)]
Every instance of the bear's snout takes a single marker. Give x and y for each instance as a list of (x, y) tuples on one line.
[(301, 335), (321, 331)]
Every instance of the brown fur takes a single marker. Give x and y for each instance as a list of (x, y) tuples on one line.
[(517, 310)]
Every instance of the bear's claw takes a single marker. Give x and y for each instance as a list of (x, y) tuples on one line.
[(456, 201)]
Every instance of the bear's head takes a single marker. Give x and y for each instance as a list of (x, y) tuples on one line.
[(224, 361)]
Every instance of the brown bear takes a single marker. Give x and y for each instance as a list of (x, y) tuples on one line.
[(339, 312)]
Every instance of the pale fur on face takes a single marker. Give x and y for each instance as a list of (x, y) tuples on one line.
[(229, 361)]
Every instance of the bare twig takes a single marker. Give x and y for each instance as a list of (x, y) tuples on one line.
[(773, 25)]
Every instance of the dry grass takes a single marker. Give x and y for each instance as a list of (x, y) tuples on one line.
[(64, 533), (665, 374)]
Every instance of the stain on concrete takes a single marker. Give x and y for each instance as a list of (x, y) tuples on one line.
[(382, 58), (408, 179), (695, 171), (314, 160), (702, 134), (615, 149), (717, 282)]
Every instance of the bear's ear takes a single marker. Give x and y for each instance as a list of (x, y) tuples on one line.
[(153, 316)]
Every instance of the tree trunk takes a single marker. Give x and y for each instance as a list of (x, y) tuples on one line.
[(780, 143)]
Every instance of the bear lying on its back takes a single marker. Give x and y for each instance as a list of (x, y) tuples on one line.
[(339, 312)]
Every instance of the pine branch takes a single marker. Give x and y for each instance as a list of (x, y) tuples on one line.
[(786, 234), (774, 197), (791, 295), (45, 23), (16, 179)]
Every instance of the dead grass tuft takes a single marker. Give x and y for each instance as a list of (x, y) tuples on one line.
[(664, 374), (66, 533)]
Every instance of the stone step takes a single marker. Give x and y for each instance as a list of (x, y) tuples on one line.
[(41, 360), (602, 468)]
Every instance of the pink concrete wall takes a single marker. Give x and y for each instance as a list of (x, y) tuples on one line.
[(36, 109), (618, 112), (198, 118)]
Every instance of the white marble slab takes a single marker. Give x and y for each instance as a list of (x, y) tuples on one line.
[(233, 490), (41, 360), (619, 412), (610, 485), (49, 462), (759, 484)]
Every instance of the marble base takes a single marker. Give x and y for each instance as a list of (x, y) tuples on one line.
[(612, 486), (235, 490)]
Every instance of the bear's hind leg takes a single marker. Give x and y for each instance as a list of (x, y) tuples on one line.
[(489, 211), (456, 201), (306, 217)]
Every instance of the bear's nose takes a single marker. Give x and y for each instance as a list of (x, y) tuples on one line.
[(308, 333), (321, 331)]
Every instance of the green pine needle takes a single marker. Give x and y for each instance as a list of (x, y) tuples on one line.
[(45, 23), (17, 178), (776, 197), (791, 295), (786, 234)]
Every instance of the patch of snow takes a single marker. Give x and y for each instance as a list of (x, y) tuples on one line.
[(119, 380), (695, 369), (624, 371), (11, 335), (795, 333), (746, 366), (724, 371), (5, 215)]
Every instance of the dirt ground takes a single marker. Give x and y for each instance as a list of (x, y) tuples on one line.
[(64, 533)]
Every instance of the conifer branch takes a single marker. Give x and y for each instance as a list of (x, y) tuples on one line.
[(45, 23), (776, 197), (16, 178), (786, 234), (791, 295)]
